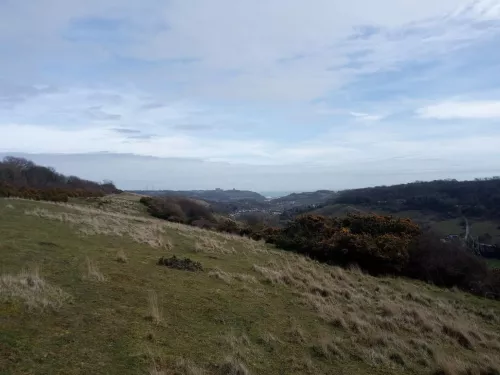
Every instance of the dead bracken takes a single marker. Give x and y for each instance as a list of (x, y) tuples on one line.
[(184, 264)]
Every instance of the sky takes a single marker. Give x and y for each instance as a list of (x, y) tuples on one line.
[(265, 95)]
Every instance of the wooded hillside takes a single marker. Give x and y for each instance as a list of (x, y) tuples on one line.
[(20, 177)]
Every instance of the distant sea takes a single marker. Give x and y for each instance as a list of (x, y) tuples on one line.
[(275, 194)]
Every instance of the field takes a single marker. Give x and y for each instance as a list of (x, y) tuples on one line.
[(81, 293), (494, 263)]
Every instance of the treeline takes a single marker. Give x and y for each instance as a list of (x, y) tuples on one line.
[(217, 195), (22, 178), (478, 198), (380, 245)]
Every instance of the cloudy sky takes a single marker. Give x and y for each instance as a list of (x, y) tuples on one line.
[(260, 94)]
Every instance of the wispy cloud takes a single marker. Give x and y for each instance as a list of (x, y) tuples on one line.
[(486, 109), (366, 116), (261, 83)]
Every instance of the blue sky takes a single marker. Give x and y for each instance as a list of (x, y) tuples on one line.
[(346, 93)]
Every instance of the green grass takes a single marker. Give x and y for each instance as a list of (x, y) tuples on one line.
[(494, 263), (255, 304)]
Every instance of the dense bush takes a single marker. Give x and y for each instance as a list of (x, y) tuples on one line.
[(185, 264), (378, 244), (230, 226), (178, 209), (450, 264)]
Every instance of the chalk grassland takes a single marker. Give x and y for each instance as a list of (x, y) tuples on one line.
[(81, 293)]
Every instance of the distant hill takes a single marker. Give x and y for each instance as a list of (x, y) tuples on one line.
[(451, 198), (306, 198), (217, 195)]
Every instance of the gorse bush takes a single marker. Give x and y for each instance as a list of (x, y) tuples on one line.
[(378, 244)]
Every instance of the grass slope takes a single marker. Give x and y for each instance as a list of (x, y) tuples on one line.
[(81, 293)]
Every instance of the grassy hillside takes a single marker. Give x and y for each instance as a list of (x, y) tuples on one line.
[(81, 293)]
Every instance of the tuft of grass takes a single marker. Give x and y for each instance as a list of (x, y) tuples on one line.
[(221, 275), (33, 290), (187, 367), (456, 333), (93, 272), (121, 257), (9, 206), (155, 314), (156, 367), (156, 371), (446, 365), (233, 366), (211, 245), (228, 277)]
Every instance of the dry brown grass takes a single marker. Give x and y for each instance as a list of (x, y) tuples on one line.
[(210, 245), (91, 222), (121, 257), (155, 314), (156, 371), (29, 287), (181, 366), (157, 366), (236, 342), (233, 366), (382, 321), (453, 365), (245, 244), (228, 277), (269, 339), (188, 367), (93, 273)]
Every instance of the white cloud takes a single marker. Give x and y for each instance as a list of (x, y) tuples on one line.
[(366, 116), (349, 150), (485, 109)]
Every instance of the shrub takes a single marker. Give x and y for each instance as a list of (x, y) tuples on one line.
[(378, 244), (204, 224), (177, 209), (185, 264), (230, 226), (450, 264)]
